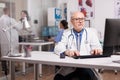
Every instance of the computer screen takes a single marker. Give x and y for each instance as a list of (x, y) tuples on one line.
[(112, 36), (50, 31)]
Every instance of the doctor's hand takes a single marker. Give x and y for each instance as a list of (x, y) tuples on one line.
[(96, 52), (71, 53)]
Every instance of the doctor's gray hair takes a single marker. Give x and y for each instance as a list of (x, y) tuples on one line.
[(72, 12)]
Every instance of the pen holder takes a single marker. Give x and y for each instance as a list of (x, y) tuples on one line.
[(27, 50)]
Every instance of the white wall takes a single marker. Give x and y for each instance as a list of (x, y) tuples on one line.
[(103, 9), (38, 11), (34, 9)]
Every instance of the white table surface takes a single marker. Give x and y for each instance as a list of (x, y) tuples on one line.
[(53, 59), (35, 43), (39, 57)]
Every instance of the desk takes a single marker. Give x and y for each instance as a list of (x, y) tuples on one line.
[(40, 44), (49, 58)]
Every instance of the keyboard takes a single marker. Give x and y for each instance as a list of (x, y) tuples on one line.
[(90, 56)]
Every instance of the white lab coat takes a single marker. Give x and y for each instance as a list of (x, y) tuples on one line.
[(9, 38), (69, 42), (89, 41)]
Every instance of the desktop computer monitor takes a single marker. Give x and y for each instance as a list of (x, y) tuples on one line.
[(50, 31), (111, 43)]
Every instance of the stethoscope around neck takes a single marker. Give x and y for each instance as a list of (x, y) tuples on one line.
[(71, 36)]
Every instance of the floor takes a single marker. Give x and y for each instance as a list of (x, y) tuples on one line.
[(48, 74)]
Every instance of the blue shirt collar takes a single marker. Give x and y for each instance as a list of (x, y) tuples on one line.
[(76, 33)]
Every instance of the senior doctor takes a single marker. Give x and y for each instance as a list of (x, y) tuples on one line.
[(78, 41)]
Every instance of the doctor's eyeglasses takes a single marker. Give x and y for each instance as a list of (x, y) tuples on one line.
[(78, 19)]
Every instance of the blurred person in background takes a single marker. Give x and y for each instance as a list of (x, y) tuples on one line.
[(8, 36), (25, 31), (63, 26)]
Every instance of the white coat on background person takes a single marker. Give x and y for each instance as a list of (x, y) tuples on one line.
[(88, 45), (8, 36), (26, 28)]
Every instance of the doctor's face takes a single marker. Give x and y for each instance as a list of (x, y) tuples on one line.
[(78, 21)]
